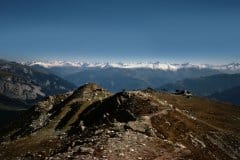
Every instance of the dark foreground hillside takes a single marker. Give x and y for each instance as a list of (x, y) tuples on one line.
[(91, 123)]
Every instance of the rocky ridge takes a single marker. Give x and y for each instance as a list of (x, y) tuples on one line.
[(91, 123)]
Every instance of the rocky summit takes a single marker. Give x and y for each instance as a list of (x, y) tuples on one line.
[(91, 123)]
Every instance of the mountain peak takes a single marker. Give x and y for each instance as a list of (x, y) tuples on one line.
[(90, 91), (89, 86), (138, 124)]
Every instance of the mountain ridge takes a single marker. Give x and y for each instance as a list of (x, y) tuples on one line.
[(151, 65), (142, 124), (25, 83)]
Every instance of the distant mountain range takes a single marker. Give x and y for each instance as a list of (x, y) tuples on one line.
[(223, 87), (117, 79), (119, 76), (231, 67)]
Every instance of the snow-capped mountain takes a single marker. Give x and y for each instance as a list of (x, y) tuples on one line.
[(230, 67), (155, 65), (118, 76)]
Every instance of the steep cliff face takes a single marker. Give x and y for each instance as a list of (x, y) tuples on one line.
[(27, 84), (91, 123)]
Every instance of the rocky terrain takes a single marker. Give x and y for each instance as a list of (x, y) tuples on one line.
[(26, 84), (91, 123)]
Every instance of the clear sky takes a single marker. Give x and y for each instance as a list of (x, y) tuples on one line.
[(204, 31)]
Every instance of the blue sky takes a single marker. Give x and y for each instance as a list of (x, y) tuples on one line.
[(199, 31)]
